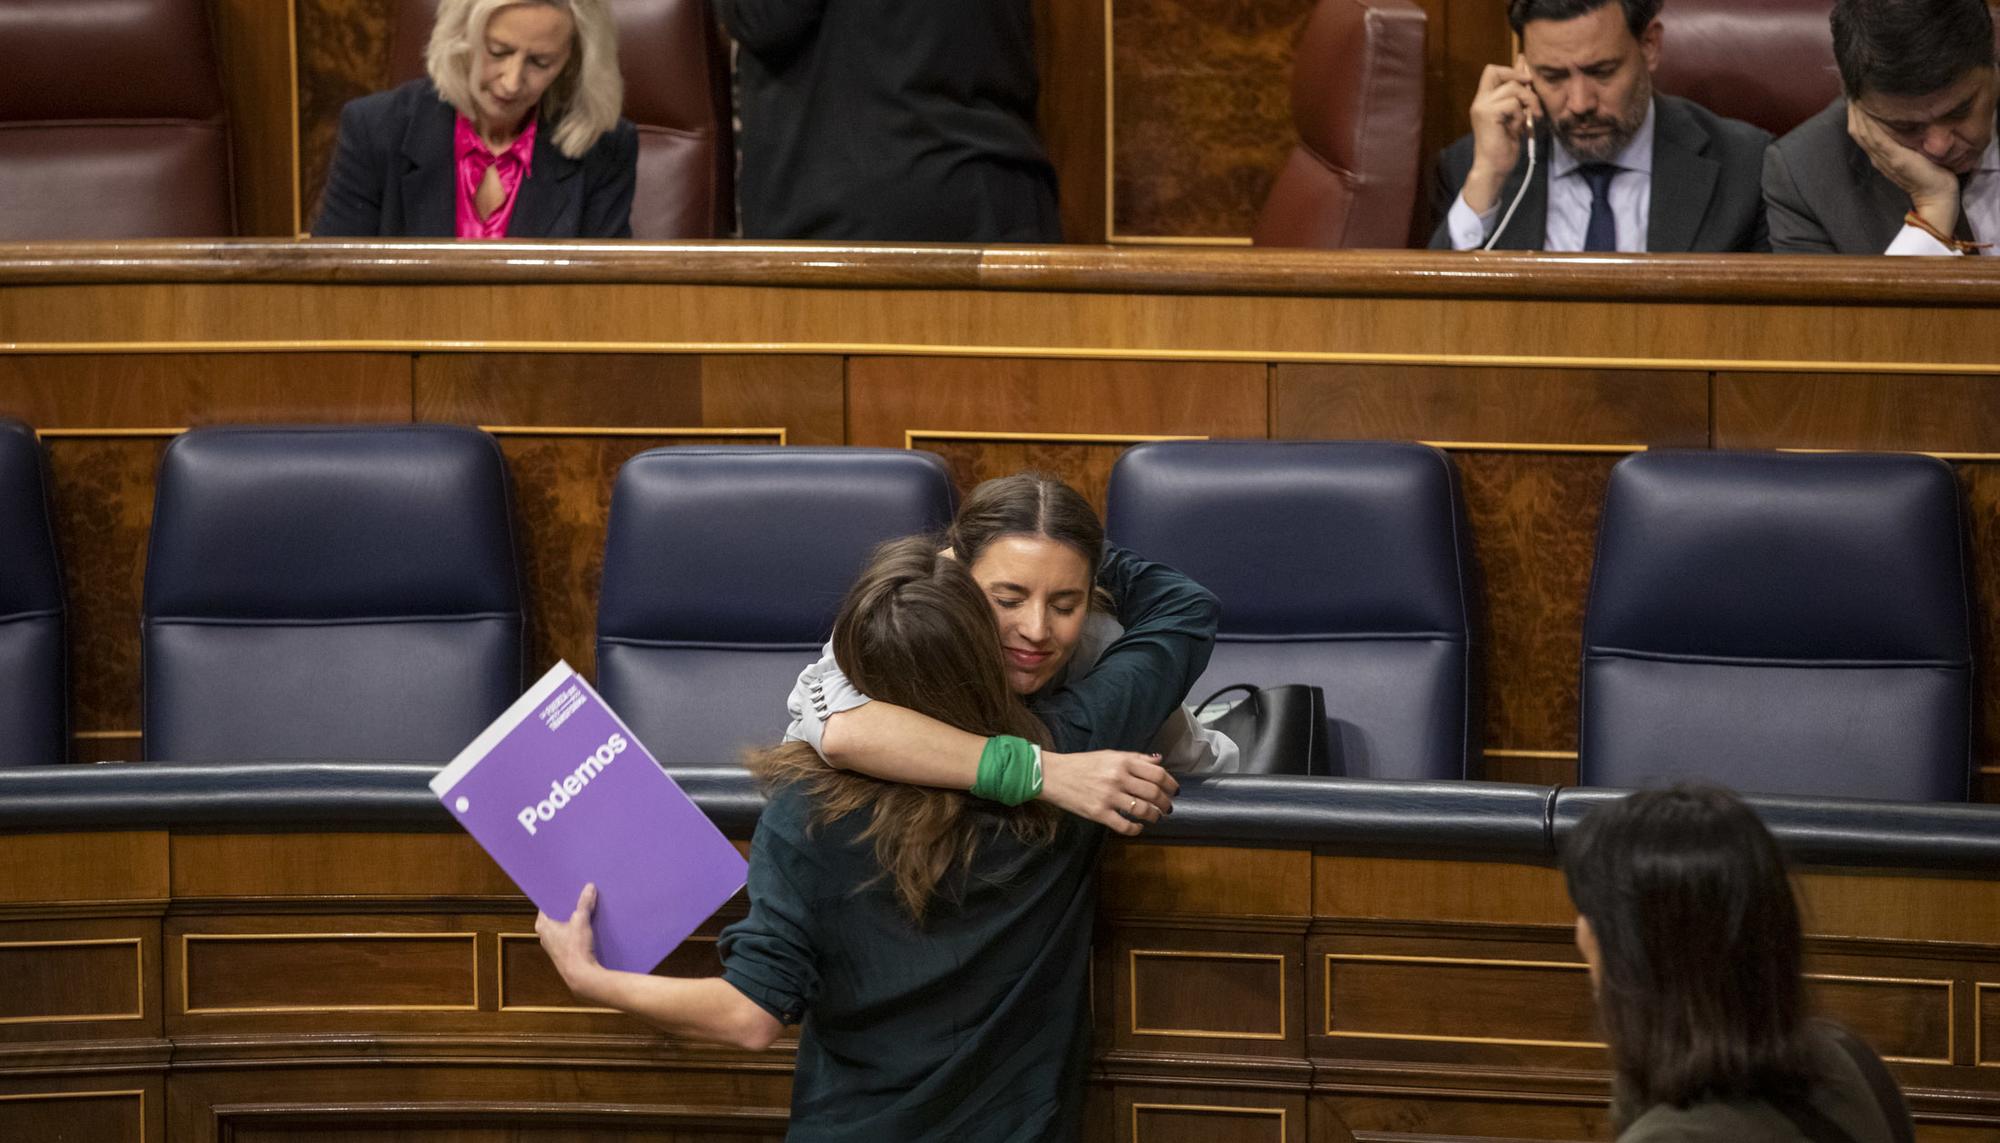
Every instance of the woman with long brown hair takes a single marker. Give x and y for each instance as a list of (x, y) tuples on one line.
[(1102, 645), (934, 945)]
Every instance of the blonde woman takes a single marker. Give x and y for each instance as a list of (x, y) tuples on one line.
[(515, 133)]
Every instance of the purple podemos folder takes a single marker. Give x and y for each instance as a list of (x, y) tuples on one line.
[(560, 792)]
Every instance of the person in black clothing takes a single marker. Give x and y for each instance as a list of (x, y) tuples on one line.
[(891, 120), (1686, 921), (934, 944)]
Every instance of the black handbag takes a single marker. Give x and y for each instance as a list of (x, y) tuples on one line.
[(1277, 730)]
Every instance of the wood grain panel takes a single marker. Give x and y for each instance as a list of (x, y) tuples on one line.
[(101, 1116), (1069, 46), (343, 53), (237, 974), (888, 396), (529, 981), (114, 865), (1986, 1021), (1933, 412), (448, 1124), (1979, 486), (1903, 1019), (1897, 906), (63, 980), (1534, 530), (1469, 403), (1201, 112), (1212, 1123), (1174, 989), (304, 865), (562, 504), (1084, 467), (1389, 889), (1463, 1000), (1137, 879), (1421, 1117), (256, 40)]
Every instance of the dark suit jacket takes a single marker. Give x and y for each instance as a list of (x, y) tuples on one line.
[(1825, 197), (395, 175), (1705, 185)]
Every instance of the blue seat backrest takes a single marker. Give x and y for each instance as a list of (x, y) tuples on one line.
[(34, 705), (1781, 623), (329, 592), (723, 570), (1342, 564)]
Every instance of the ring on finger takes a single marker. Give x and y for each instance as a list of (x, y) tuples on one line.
[(1134, 811)]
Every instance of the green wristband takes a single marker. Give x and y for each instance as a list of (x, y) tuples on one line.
[(1010, 771)]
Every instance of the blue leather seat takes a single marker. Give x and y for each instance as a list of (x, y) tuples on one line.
[(1781, 623), (1345, 565), (329, 593), (723, 569), (34, 700)]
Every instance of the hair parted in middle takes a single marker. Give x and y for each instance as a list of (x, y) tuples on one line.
[(1699, 988), (916, 631), (1639, 14), (1029, 504), (581, 105)]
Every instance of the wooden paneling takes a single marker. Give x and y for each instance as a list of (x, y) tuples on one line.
[(257, 45), (304, 865), (1459, 1000), (1935, 412), (1986, 1017), (1424, 1117), (96, 867), (1188, 881), (1201, 113), (235, 974), (1391, 889), (1232, 993), (1069, 43), (1514, 406), (343, 53), (1180, 1115), (113, 1110), (71, 979), (1903, 1018)]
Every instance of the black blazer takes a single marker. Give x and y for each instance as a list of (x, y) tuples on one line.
[(395, 176), (1707, 193)]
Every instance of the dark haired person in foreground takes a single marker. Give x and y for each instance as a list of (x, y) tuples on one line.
[(936, 945), (1686, 918), (1906, 162), (1619, 168)]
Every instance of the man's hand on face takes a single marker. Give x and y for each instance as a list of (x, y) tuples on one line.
[(1503, 112), (1933, 189)]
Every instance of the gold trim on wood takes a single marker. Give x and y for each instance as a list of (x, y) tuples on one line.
[(1474, 962), (1079, 353), (471, 939), (50, 1096), (501, 977), (912, 436), (162, 433), (1969, 457), (138, 982), (1178, 240), (1208, 1108), (1950, 1009), (1979, 991), (99, 735), (1552, 447), (1550, 755), (778, 434), (1132, 979)]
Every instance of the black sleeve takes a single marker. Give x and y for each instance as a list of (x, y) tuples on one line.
[(1791, 227), (769, 955), (607, 199), (1144, 674), (351, 205), (765, 27), (1444, 192)]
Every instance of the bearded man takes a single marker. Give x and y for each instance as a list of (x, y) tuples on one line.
[(1620, 168)]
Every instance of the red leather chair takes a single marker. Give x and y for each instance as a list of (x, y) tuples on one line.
[(676, 69), (1358, 103), (1769, 63), (112, 122)]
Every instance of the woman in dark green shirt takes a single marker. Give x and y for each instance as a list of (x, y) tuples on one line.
[(934, 945), (1686, 920)]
